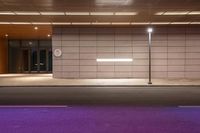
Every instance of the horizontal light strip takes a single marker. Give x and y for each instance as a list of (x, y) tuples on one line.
[(66, 13), (81, 23), (125, 13), (195, 23), (194, 13), (61, 23), (96, 13), (101, 13), (178, 13), (98, 23), (77, 13), (6, 13), (115, 60), (180, 23), (41, 23), (23, 23), (52, 13), (140, 23), (101, 23), (5, 23), (159, 13), (121, 23), (27, 13), (159, 23)]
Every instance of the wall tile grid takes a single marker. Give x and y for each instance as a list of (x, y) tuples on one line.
[(175, 52)]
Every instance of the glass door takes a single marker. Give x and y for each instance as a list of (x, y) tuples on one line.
[(30, 56), (34, 60), (25, 60), (43, 60)]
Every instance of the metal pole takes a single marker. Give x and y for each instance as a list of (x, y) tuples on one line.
[(149, 58)]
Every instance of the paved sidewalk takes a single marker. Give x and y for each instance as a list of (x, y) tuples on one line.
[(47, 80)]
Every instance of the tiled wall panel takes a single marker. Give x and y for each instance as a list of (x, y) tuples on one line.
[(175, 52)]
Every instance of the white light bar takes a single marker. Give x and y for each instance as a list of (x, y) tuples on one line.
[(52, 13), (176, 13), (6, 13), (180, 22), (195, 23), (194, 13), (159, 13), (101, 13), (41, 23), (77, 13), (81, 23), (101, 23), (61, 23), (5, 23), (22, 23), (27, 13), (121, 23), (160, 23), (126, 13), (115, 60), (140, 23)]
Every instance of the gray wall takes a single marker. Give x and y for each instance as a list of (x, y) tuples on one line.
[(176, 52)]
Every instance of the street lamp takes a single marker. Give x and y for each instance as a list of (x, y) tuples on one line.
[(149, 30)]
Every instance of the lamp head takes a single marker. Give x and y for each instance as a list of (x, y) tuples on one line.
[(150, 30)]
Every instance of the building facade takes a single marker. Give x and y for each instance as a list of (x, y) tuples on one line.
[(175, 52)]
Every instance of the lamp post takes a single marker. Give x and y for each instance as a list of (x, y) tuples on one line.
[(149, 30)]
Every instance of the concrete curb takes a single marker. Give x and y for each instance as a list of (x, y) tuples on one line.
[(101, 86)]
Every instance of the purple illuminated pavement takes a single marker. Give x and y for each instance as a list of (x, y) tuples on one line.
[(99, 119)]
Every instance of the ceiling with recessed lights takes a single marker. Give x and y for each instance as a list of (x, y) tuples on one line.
[(23, 15), (102, 11), (24, 32)]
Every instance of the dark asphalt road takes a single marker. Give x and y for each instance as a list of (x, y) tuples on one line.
[(171, 96)]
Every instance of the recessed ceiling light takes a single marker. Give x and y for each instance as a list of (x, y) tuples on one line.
[(101, 13), (77, 13), (6, 35), (36, 28), (194, 13), (6, 13), (81, 23), (23, 23), (61, 23), (52, 13), (125, 13), (27, 13), (41, 23), (48, 35)]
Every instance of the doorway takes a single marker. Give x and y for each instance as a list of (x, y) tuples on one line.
[(33, 57), (34, 61)]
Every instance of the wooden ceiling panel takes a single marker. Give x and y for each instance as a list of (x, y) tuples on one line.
[(25, 32)]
